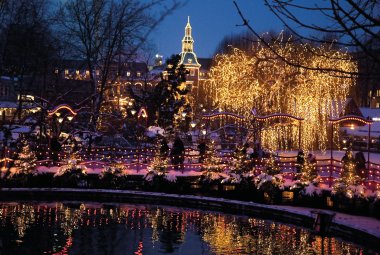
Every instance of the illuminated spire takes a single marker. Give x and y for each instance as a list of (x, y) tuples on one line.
[(188, 41), (188, 56)]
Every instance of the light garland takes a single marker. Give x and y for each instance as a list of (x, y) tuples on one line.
[(351, 118)]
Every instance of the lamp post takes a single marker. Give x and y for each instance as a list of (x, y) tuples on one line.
[(143, 114), (204, 133), (61, 113)]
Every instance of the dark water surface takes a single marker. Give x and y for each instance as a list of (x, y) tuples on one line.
[(74, 228)]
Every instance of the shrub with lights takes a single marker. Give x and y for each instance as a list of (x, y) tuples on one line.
[(348, 191), (271, 181), (25, 165), (26, 161), (158, 173), (212, 166), (308, 180), (349, 183), (113, 176), (241, 168), (71, 174)]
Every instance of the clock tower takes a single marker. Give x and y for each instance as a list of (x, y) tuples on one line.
[(189, 60)]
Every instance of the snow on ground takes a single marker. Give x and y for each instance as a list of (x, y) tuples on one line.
[(153, 131), (44, 169), (365, 224)]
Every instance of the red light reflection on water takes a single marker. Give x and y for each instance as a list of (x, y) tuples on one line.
[(139, 249)]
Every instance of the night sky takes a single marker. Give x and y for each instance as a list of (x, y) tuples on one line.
[(211, 20)]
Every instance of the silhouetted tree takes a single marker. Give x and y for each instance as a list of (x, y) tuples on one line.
[(99, 31)]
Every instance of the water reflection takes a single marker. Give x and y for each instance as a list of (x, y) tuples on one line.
[(59, 228)]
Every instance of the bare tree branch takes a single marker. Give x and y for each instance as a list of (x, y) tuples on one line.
[(286, 60)]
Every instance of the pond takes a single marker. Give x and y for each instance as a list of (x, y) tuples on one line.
[(75, 228)]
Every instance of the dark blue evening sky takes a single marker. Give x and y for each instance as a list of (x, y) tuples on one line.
[(211, 20)]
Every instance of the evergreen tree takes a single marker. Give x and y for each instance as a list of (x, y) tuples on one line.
[(211, 165), (308, 179), (72, 174), (113, 176), (26, 161), (240, 168), (240, 163), (308, 172), (158, 169), (349, 182), (170, 97)]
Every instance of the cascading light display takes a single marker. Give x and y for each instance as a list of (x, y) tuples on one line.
[(259, 79)]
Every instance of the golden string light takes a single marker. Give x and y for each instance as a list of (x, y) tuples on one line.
[(241, 81)]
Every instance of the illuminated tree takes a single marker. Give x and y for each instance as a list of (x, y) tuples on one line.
[(259, 79), (240, 168), (349, 182), (158, 171), (272, 167), (308, 172), (351, 24), (113, 176), (212, 165), (240, 163), (26, 159), (170, 97), (71, 174)]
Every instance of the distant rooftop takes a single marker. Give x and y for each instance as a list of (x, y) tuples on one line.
[(206, 63)]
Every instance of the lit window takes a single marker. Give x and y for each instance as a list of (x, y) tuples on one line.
[(377, 105), (128, 74), (190, 61), (192, 72), (138, 74), (378, 93), (66, 72)]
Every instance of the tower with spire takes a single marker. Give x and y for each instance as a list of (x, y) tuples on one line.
[(189, 59)]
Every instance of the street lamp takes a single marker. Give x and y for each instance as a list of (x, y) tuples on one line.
[(59, 113), (143, 114)]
